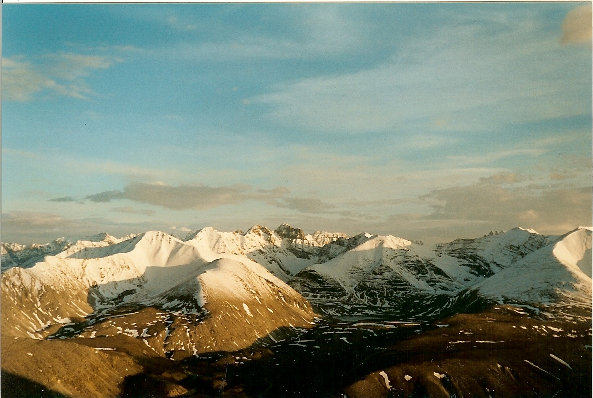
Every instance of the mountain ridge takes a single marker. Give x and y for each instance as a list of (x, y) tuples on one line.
[(325, 267)]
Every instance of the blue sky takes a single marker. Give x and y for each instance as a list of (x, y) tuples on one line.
[(427, 121)]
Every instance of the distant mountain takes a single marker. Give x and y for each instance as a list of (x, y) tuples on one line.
[(213, 290)]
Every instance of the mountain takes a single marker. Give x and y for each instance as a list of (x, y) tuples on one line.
[(14, 254), (175, 296)]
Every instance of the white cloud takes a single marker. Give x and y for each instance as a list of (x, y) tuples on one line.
[(20, 80), (320, 31), (71, 66)]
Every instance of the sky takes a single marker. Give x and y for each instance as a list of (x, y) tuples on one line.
[(427, 121)]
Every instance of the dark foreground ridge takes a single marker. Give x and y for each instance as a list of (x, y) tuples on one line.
[(499, 352)]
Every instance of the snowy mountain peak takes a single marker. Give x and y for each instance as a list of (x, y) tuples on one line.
[(196, 235), (156, 236), (383, 241), (530, 230), (377, 269), (574, 250), (100, 237)]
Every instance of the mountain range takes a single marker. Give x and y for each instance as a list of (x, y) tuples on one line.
[(211, 291), (278, 272)]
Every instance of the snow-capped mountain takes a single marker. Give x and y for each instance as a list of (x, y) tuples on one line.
[(25, 256), (153, 286), (387, 274), (557, 272), (14, 254), (213, 290)]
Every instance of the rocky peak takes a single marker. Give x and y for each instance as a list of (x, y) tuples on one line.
[(285, 231), (259, 230)]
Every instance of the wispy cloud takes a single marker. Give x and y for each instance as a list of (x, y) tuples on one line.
[(63, 199), (309, 32), (576, 27), (134, 210), (110, 167), (180, 24), (490, 157), (184, 197), (485, 78), (63, 74), (249, 47)]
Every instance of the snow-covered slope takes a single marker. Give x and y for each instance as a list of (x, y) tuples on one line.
[(489, 254), (14, 254), (557, 272)]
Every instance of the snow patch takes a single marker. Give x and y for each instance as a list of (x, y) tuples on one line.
[(561, 361), (246, 308), (386, 379)]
